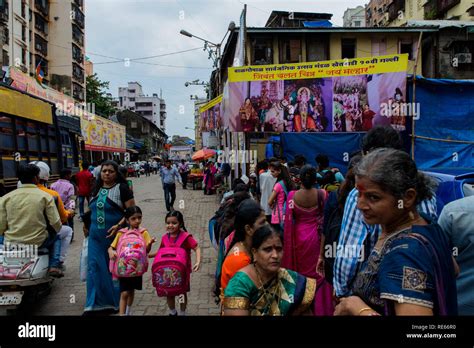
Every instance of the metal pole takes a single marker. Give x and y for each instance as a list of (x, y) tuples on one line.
[(414, 97)]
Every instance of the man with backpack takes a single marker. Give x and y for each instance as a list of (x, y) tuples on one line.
[(323, 167)]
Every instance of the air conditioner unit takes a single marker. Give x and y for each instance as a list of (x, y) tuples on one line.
[(464, 58)]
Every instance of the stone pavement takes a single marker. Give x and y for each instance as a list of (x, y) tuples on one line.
[(69, 293)]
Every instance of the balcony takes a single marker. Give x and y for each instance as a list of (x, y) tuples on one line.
[(77, 92), (42, 6), (80, 4), (445, 5), (41, 25), (77, 35), (77, 54), (41, 45), (436, 9), (394, 8), (78, 73), (3, 12), (78, 16)]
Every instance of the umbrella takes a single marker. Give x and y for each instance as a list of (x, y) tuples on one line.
[(203, 154), (158, 158)]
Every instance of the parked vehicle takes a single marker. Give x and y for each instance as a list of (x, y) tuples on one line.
[(24, 277)]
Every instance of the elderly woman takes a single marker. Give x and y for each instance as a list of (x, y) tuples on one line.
[(110, 198), (263, 287), (411, 270)]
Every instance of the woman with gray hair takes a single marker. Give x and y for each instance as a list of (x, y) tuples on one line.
[(411, 270)]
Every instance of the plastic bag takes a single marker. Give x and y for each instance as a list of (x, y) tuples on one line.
[(83, 263)]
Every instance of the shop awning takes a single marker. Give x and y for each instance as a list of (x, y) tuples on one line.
[(19, 104)]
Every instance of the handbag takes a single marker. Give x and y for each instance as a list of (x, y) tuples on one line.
[(83, 260)]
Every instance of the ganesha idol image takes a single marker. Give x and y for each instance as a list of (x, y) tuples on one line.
[(94, 134)]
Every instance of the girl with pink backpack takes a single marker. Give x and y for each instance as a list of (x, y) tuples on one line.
[(171, 269), (129, 257)]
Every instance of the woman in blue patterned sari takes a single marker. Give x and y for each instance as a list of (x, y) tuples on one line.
[(411, 270), (110, 198)]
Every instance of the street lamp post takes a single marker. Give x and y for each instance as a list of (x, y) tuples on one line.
[(214, 55)]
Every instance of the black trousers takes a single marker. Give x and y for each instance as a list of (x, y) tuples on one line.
[(170, 195)]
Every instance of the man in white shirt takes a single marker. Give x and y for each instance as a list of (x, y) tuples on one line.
[(267, 181)]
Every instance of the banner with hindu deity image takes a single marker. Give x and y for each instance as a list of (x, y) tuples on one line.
[(101, 134), (350, 95)]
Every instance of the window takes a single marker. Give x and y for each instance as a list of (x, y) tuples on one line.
[(132, 99), (23, 56), (23, 33), (406, 46), (348, 48), (131, 91), (357, 23), (133, 124), (317, 49), (290, 50), (262, 51)]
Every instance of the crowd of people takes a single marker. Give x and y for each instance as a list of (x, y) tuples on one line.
[(368, 244), (293, 239)]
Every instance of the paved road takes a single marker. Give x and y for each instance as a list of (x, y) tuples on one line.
[(69, 293)]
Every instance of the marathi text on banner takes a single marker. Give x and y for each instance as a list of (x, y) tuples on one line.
[(312, 70)]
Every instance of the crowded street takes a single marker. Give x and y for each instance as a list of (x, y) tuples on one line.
[(69, 293), (206, 159)]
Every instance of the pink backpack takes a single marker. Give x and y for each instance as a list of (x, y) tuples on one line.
[(170, 267), (132, 258)]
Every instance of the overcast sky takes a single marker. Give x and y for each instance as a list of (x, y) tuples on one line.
[(142, 28)]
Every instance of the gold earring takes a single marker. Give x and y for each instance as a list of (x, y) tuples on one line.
[(411, 215)]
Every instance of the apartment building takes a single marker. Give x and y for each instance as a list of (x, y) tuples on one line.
[(395, 13), (47, 33), (354, 17), (152, 108)]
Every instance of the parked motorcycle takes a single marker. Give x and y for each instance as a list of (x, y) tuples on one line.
[(24, 277)]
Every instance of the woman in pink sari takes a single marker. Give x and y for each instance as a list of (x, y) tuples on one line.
[(302, 237), (209, 178)]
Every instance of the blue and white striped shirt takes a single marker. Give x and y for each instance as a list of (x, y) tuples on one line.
[(354, 232)]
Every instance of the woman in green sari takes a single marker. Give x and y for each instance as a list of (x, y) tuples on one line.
[(263, 287)]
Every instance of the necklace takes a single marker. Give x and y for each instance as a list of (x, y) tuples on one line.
[(400, 228), (267, 295)]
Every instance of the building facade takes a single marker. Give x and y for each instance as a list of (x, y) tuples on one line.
[(152, 108), (398, 12), (354, 17), (140, 128), (46, 33)]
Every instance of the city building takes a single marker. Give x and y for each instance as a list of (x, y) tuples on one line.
[(376, 13), (397, 13), (149, 139), (354, 17), (199, 102), (49, 34), (89, 67), (152, 108)]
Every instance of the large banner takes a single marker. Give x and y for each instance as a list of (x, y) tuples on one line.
[(349, 95), (210, 115), (101, 134)]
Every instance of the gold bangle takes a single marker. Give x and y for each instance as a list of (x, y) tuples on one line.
[(365, 309)]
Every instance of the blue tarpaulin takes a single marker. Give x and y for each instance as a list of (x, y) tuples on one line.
[(317, 24), (444, 132), (337, 146)]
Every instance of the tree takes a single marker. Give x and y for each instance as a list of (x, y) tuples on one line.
[(96, 94)]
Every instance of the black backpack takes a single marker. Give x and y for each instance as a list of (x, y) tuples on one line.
[(331, 232)]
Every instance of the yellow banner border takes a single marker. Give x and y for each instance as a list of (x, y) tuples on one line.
[(211, 104), (330, 68)]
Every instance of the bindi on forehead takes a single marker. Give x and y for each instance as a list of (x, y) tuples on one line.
[(360, 187)]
